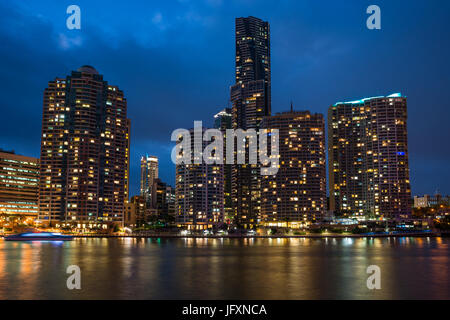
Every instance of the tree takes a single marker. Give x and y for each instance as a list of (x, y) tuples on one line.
[(287, 220)]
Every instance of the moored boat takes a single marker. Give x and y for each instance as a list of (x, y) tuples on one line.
[(39, 236)]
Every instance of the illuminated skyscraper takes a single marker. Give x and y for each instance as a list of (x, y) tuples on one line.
[(149, 172), (253, 54), (199, 193), (296, 195), (223, 121), (251, 101), (19, 184), (83, 151), (368, 157)]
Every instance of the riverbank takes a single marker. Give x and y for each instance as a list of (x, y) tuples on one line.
[(308, 236)]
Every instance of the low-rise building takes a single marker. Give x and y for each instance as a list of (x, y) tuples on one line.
[(431, 201), (19, 184)]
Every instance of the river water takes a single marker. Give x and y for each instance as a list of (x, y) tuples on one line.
[(127, 268)]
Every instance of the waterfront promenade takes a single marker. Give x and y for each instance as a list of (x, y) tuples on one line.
[(275, 236)]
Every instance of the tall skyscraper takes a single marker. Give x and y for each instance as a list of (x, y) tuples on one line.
[(19, 184), (251, 101), (83, 151), (149, 172), (223, 121), (368, 157), (253, 55), (296, 195), (199, 193)]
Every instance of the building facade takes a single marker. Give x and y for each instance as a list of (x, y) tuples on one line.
[(19, 184), (296, 195), (171, 200), (137, 212), (159, 197), (199, 192), (368, 157), (130, 215), (251, 102), (83, 169), (127, 159)]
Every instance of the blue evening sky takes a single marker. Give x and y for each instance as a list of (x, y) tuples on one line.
[(175, 62)]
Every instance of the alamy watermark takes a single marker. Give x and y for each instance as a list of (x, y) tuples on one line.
[(74, 20), (374, 280), (374, 20), (255, 142), (74, 280)]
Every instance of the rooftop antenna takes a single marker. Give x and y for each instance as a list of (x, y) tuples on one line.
[(292, 107)]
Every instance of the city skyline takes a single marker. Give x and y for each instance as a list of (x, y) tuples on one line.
[(426, 159), (238, 152)]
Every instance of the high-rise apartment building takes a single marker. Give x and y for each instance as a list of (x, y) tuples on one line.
[(368, 157), (251, 102), (19, 184), (149, 172), (199, 192), (84, 153), (296, 195), (223, 121), (253, 54)]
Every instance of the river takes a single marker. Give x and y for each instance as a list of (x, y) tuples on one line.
[(128, 268)]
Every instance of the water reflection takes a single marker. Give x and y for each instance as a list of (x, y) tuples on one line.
[(280, 268)]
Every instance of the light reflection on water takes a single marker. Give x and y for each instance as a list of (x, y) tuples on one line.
[(283, 268)]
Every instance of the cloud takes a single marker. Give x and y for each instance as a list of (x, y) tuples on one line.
[(214, 3), (162, 85), (157, 18), (68, 42)]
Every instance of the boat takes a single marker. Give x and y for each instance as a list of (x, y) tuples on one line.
[(38, 236)]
